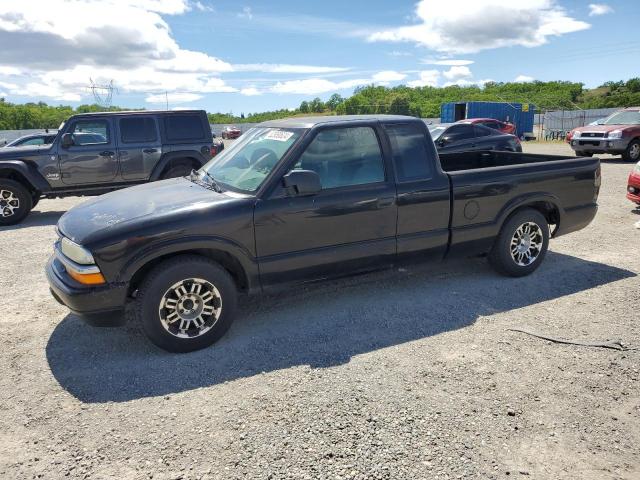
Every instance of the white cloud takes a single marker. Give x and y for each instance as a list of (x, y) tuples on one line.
[(173, 97), (445, 62), (468, 26), (464, 82), (64, 43), (312, 86), (456, 72), (246, 13), (285, 68), (3, 94), (388, 76), (524, 79), (428, 78), (250, 91), (398, 53), (202, 7), (596, 9)]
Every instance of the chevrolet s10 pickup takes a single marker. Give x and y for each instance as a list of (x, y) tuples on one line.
[(304, 199)]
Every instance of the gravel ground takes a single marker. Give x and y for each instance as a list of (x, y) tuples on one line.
[(409, 374)]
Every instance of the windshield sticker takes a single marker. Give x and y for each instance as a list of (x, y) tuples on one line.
[(279, 135)]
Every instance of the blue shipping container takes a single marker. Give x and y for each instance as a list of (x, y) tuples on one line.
[(520, 114)]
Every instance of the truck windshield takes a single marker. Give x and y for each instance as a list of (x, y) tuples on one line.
[(625, 117), (247, 162)]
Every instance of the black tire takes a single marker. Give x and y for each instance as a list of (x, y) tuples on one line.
[(15, 202), (35, 199), (179, 170), (157, 285), (632, 152), (501, 257)]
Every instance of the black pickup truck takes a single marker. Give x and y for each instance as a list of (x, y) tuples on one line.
[(94, 153), (304, 199)]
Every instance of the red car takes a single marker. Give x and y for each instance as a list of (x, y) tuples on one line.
[(633, 188), (504, 127), (231, 132)]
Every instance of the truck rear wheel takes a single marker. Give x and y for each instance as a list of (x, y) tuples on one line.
[(632, 153), (521, 244), (15, 202), (186, 303)]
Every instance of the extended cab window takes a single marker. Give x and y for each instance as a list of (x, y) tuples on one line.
[(138, 130), (183, 127), (344, 157), (90, 132), (409, 150)]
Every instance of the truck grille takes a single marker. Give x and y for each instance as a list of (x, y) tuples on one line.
[(592, 134)]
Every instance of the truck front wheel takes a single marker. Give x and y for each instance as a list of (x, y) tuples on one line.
[(15, 202), (186, 303), (521, 244)]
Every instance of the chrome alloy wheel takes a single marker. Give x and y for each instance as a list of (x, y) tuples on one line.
[(190, 308), (634, 151), (526, 244), (9, 203)]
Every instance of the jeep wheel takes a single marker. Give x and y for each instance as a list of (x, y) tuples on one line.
[(186, 303), (180, 170), (632, 153), (521, 244), (15, 202)]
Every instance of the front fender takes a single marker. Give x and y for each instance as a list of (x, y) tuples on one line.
[(26, 171), (159, 249)]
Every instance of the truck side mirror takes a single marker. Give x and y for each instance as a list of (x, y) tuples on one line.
[(67, 140), (302, 182)]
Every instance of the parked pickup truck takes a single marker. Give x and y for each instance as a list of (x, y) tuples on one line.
[(303, 199), (94, 153)]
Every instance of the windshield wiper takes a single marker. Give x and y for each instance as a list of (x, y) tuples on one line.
[(211, 182)]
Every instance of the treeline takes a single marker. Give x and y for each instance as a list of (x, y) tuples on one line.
[(420, 102), (40, 115)]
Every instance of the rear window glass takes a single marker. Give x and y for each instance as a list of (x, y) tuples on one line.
[(409, 148), (183, 127), (138, 130)]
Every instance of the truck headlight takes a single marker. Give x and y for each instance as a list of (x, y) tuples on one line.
[(615, 134), (575, 135), (76, 252)]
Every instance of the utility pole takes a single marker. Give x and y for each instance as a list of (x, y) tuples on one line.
[(166, 97)]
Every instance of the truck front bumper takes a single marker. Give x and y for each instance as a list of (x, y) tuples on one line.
[(101, 306), (599, 145)]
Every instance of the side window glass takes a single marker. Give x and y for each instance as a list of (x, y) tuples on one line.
[(90, 132), (138, 130), (459, 132), (410, 155), (34, 141), (344, 157), (483, 131), (183, 127)]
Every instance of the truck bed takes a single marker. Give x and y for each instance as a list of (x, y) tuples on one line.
[(454, 162), (485, 183)]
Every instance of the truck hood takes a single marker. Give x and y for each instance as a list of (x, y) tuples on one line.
[(134, 207), (10, 153)]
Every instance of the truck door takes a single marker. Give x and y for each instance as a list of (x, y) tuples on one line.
[(140, 147), (423, 192), (349, 225), (93, 156)]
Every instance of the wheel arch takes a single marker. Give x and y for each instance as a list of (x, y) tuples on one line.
[(547, 205), (224, 258), (175, 158)]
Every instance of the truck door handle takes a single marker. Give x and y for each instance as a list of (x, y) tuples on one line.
[(107, 153), (149, 150)]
